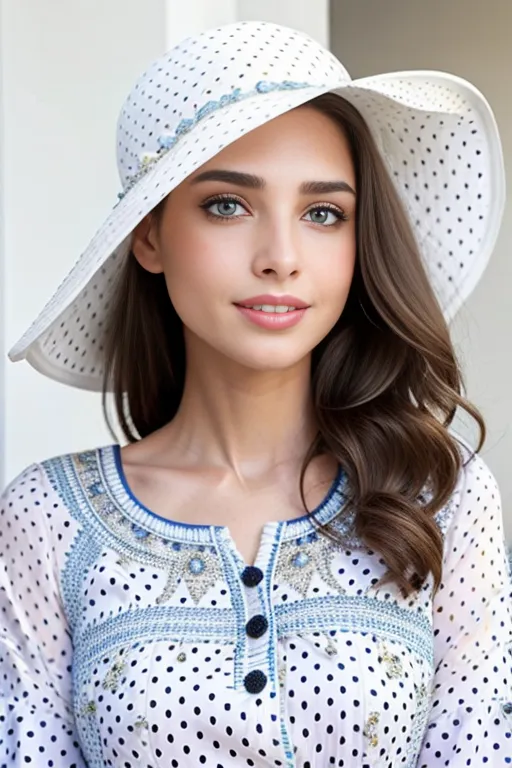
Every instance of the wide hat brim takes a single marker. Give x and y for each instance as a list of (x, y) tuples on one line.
[(439, 140)]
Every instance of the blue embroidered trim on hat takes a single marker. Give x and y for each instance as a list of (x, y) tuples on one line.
[(167, 141)]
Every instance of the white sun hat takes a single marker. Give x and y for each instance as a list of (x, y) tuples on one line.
[(436, 133)]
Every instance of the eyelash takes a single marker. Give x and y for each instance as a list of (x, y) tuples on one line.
[(338, 212)]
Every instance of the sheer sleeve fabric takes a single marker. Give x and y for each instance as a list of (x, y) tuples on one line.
[(471, 711), (36, 718)]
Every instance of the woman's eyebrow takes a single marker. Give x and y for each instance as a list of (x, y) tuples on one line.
[(324, 187), (251, 181)]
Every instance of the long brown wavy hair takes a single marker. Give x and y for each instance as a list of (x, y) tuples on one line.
[(385, 381)]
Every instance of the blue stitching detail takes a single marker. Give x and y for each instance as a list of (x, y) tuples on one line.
[(84, 550), (351, 613), (82, 554), (135, 627), (268, 610), (273, 631), (98, 474), (112, 475), (238, 604), (114, 480)]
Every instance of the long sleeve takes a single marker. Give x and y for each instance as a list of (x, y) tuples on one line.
[(36, 718), (471, 715)]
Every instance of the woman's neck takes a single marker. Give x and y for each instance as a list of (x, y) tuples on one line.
[(245, 420)]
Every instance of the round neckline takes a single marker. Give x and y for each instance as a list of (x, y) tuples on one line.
[(111, 465)]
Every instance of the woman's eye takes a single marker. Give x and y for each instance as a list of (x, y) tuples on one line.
[(326, 216), (225, 208), (230, 208)]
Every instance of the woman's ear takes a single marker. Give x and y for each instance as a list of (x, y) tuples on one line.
[(146, 244)]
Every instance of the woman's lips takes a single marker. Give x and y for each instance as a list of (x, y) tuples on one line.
[(273, 320)]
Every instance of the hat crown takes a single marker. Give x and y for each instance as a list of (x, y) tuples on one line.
[(206, 71)]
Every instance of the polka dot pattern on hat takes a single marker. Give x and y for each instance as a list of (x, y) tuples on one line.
[(125, 638), (436, 133)]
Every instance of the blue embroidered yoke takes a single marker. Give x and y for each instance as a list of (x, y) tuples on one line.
[(130, 640)]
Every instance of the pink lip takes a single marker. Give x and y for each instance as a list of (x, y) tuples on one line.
[(273, 321), (287, 301)]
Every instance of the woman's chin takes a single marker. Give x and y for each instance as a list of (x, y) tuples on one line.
[(270, 360)]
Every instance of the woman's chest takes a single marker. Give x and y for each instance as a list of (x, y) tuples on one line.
[(178, 652), (337, 697)]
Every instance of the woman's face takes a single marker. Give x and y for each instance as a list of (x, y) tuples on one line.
[(268, 221)]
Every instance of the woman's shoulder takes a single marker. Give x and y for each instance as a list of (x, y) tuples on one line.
[(476, 498), (475, 475), (49, 493), (50, 470)]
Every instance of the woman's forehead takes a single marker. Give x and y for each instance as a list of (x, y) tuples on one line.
[(304, 143)]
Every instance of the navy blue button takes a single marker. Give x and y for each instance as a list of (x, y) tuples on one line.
[(255, 681), (257, 626), (251, 576)]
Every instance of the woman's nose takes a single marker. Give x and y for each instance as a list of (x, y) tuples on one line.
[(277, 252)]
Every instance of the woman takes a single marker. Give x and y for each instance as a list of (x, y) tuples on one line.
[(292, 562)]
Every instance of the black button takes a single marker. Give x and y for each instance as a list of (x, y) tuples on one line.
[(252, 576), (255, 681), (257, 626)]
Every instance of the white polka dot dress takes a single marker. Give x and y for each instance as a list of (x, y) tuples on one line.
[(129, 640)]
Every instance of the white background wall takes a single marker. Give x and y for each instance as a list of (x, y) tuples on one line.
[(65, 76), (473, 40), (310, 16)]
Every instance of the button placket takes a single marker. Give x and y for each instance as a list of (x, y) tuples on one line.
[(259, 638), (256, 629)]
